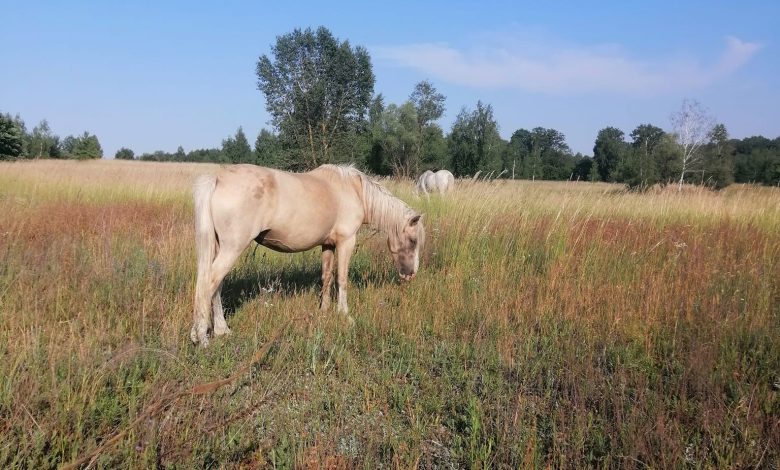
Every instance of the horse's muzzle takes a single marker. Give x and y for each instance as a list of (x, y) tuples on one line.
[(407, 277)]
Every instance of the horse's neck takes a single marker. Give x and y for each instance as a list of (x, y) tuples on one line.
[(383, 210)]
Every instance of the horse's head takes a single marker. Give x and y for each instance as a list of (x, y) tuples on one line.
[(405, 246)]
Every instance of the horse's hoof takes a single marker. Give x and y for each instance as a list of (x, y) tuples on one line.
[(222, 332), (199, 337)]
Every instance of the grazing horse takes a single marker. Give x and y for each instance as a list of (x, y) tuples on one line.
[(292, 212), (442, 181)]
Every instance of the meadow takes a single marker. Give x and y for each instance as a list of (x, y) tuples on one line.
[(558, 325)]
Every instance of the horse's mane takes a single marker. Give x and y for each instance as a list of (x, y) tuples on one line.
[(385, 211)]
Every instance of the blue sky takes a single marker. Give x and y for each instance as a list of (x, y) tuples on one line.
[(156, 75)]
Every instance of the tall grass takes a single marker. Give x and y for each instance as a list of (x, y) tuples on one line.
[(552, 324)]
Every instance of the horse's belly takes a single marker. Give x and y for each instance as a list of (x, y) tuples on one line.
[(276, 245), (288, 243)]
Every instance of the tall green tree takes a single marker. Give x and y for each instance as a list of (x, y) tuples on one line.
[(55, 151), (516, 152), (86, 146), (539, 154), (460, 142), (609, 150), (646, 137), (428, 103), (474, 142), (718, 168), (375, 159), (398, 144), (433, 151), (124, 154), (668, 159), (236, 149), (488, 141), (397, 135), (11, 138), (317, 91), (268, 152), (582, 167), (25, 136), (180, 155), (554, 153), (67, 146), (638, 168), (431, 146)]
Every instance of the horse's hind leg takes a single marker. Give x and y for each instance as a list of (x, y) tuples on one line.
[(220, 325), (327, 276), (226, 258)]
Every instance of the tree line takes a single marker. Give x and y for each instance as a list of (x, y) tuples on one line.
[(41, 142), (319, 94)]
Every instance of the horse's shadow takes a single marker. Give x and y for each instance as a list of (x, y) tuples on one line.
[(246, 284)]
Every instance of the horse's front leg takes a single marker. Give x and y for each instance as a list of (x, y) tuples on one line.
[(344, 251), (327, 275)]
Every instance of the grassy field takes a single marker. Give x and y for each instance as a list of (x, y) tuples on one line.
[(551, 325)]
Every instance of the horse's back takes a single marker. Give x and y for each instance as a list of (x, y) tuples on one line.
[(289, 211), (445, 181), (268, 185)]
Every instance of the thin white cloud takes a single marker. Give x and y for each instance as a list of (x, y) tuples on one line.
[(737, 54), (533, 67)]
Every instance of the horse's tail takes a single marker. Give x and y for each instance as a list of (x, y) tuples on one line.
[(420, 185), (205, 238)]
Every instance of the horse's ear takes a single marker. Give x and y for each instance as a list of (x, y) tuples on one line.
[(415, 219)]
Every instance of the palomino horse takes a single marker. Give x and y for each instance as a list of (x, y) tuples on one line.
[(292, 212), (442, 181)]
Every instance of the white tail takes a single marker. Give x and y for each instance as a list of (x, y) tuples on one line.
[(205, 243)]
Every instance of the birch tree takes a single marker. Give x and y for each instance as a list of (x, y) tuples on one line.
[(692, 125)]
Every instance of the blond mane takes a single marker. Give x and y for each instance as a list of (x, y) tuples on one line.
[(383, 210)]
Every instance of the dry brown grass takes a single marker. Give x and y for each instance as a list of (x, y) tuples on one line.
[(553, 324)]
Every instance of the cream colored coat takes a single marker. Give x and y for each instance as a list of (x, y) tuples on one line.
[(291, 212)]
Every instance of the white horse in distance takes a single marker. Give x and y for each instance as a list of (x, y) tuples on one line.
[(440, 182)]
